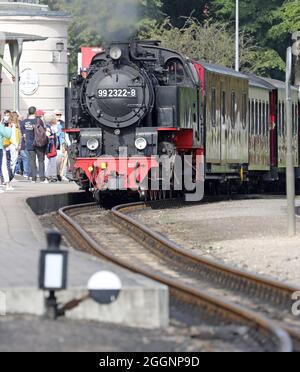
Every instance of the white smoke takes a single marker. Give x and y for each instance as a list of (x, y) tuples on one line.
[(116, 20)]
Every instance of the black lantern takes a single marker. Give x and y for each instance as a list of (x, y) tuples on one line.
[(53, 271)]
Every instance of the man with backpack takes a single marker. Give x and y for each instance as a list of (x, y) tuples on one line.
[(36, 141)]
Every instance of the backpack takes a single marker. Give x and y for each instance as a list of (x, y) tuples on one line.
[(40, 136)]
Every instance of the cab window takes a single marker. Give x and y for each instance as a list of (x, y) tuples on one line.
[(176, 73)]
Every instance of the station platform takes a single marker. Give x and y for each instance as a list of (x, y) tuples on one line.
[(142, 303)]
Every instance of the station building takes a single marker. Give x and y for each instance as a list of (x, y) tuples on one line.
[(35, 35)]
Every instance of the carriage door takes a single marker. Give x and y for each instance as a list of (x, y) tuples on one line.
[(223, 127)]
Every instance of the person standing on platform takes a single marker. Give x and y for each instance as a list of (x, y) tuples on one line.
[(62, 145), (15, 146), (51, 168), (36, 141), (23, 160), (7, 152), (5, 133)]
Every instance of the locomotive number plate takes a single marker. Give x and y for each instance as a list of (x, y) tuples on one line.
[(117, 93)]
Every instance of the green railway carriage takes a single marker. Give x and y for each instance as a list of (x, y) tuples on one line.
[(259, 124), (245, 125)]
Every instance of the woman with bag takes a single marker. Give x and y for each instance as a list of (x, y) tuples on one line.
[(5, 134), (15, 145), (51, 154), (7, 172)]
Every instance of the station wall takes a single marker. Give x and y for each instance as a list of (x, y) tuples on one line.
[(44, 71)]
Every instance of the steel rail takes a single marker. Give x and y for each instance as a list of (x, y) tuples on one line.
[(275, 338), (279, 294)]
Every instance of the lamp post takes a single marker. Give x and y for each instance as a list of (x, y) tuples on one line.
[(290, 171), (293, 51), (237, 36)]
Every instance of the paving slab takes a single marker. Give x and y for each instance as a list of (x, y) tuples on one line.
[(142, 302)]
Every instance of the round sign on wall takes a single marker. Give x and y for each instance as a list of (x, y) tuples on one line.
[(29, 82)]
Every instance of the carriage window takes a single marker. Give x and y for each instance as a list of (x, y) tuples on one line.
[(176, 72), (260, 121), (283, 119), (233, 109), (279, 120), (244, 111), (249, 115), (213, 107), (253, 117), (267, 118), (223, 107), (256, 118), (294, 119), (263, 119)]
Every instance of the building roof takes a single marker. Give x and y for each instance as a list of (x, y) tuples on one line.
[(32, 13), (9, 37), (222, 70), (31, 9)]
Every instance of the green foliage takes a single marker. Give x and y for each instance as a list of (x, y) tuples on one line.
[(178, 10), (266, 27), (210, 42), (270, 22), (285, 20)]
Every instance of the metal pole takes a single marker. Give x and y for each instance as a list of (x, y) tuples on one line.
[(237, 37), (290, 171), (16, 49)]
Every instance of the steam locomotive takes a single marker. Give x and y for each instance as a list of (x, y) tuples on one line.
[(140, 101)]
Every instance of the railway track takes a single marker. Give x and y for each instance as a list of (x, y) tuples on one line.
[(212, 290)]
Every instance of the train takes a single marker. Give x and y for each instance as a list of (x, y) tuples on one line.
[(140, 102)]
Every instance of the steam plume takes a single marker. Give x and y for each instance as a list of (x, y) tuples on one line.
[(116, 20)]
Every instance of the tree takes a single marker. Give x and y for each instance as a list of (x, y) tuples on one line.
[(285, 21), (177, 10), (210, 42), (255, 19)]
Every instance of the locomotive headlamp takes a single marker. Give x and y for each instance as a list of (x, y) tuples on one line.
[(141, 143), (93, 144), (115, 53)]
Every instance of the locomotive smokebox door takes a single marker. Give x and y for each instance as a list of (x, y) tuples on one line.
[(119, 96)]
